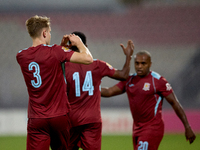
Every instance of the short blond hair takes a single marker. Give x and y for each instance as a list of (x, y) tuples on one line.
[(35, 25)]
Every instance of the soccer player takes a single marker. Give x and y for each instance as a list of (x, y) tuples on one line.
[(48, 107), (145, 90), (83, 88)]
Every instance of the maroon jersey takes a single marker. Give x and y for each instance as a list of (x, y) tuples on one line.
[(42, 71), (145, 99), (83, 88)]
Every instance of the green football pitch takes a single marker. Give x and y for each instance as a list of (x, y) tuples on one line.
[(112, 142)]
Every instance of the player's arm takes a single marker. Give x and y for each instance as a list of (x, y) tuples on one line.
[(111, 91), (84, 57), (173, 101), (124, 73)]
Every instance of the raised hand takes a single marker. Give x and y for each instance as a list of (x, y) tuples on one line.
[(128, 51), (74, 40), (64, 41)]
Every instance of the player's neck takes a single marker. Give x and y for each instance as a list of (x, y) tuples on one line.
[(38, 41), (145, 75)]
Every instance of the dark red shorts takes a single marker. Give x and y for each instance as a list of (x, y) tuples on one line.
[(45, 132), (87, 137), (148, 141)]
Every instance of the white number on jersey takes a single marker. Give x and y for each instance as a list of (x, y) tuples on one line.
[(143, 145), (36, 74), (87, 85)]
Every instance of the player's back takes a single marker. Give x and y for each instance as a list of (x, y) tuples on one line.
[(83, 88), (44, 79)]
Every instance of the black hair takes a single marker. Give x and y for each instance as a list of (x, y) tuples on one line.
[(144, 52), (82, 37)]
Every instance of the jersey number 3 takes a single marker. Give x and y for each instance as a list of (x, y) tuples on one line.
[(87, 85), (36, 74)]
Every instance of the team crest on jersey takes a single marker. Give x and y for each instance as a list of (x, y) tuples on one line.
[(146, 87), (109, 65), (168, 87), (65, 49)]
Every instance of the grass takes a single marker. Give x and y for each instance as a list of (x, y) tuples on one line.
[(169, 142), (112, 142), (12, 142), (178, 142)]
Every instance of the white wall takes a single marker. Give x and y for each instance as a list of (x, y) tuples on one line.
[(14, 122), (115, 121)]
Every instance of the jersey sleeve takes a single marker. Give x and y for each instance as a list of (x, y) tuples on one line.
[(122, 85), (163, 87), (63, 54), (106, 69)]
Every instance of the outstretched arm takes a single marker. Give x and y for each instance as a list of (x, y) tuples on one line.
[(84, 57), (124, 73), (111, 91), (173, 101)]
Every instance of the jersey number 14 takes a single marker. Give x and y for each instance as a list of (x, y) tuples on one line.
[(87, 85)]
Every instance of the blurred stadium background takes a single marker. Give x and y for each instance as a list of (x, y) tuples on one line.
[(168, 29)]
